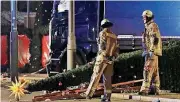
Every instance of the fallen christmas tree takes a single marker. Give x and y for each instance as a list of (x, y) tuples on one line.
[(126, 65)]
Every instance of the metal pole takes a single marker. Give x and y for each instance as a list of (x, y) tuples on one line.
[(71, 46), (13, 43), (27, 13), (104, 8)]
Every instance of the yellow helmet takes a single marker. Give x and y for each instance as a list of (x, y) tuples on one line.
[(106, 23), (147, 13)]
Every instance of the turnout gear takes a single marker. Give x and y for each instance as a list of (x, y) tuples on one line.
[(153, 46), (150, 72), (152, 38), (153, 43), (107, 43)]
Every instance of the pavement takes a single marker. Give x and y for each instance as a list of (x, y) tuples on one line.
[(163, 97), (116, 97), (28, 98)]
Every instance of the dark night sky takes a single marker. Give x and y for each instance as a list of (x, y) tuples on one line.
[(126, 16)]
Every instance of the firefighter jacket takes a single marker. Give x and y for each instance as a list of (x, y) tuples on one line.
[(152, 38), (107, 43)]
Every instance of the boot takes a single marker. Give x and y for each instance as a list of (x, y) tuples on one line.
[(157, 91), (152, 90), (144, 93), (85, 96), (106, 98)]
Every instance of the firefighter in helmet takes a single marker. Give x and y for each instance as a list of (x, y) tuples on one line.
[(108, 47), (152, 45)]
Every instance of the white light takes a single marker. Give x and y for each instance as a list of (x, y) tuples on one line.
[(73, 76), (36, 8), (42, 2), (119, 76), (45, 10), (93, 29), (135, 76), (38, 19)]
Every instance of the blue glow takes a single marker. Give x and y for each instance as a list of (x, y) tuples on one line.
[(126, 16)]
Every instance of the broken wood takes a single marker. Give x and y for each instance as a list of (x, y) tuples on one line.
[(75, 93)]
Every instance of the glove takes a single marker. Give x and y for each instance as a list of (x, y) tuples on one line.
[(144, 53), (151, 54)]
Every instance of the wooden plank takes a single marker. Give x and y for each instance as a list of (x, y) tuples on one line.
[(127, 83)]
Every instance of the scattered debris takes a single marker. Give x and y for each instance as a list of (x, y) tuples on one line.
[(75, 92)]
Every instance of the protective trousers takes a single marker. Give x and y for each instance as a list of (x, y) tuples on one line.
[(105, 68), (150, 73)]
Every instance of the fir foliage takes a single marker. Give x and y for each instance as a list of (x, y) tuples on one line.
[(127, 66)]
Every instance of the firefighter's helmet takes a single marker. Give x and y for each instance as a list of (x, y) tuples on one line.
[(147, 13), (105, 23)]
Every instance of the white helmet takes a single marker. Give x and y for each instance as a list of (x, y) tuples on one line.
[(106, 23), (147, 13)]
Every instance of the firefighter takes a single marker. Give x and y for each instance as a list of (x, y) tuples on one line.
[(152, 44), (107, 45)]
